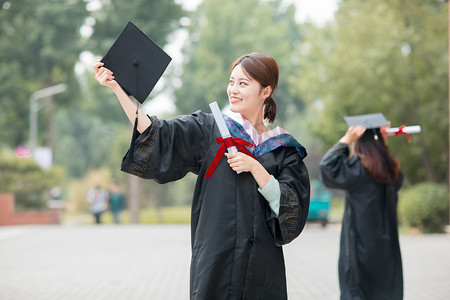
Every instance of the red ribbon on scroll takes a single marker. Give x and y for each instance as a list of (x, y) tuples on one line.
[(240, 144), (400, 131)]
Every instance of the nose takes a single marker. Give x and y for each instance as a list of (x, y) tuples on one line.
[(235, 89)]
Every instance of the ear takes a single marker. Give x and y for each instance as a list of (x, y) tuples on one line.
[(267, 91)]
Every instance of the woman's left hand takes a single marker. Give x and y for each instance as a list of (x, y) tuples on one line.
[(383, 131), (241, 162)]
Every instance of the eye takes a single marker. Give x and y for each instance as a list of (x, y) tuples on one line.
[(242, 83)]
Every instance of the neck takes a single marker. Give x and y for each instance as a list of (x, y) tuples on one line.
[(257, 122)]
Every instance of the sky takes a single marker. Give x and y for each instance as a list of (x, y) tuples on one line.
[(315, 11)]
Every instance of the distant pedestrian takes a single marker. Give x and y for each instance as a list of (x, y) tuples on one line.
[(116, 202), (98, 198), (370, 263)]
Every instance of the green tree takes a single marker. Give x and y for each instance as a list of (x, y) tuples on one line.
[(84, 142), (89, 131), (382, 56), (156, 18), (39, 44), (220, 32)]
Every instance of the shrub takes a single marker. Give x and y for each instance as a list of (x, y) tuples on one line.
[(425, 206), (27, 181)]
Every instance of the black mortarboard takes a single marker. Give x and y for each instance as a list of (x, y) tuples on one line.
[(136, 62), (368, 121)]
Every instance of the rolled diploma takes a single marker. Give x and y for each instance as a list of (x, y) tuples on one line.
[(224, 132), (406, 129)]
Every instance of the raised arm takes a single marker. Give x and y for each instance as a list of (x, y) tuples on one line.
[(106, 78)]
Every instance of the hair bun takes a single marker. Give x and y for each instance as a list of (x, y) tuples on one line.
[(270, 109)]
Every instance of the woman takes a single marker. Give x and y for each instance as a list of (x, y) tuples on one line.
[(98, 199), (250, 206), (370, 265)]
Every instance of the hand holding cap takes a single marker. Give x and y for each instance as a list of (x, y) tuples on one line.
[(136, 61)]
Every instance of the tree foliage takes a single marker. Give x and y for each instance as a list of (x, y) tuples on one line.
[(382, 56), (156, 18), (39, 48), (89, 133), (41, 45), (84, 142)]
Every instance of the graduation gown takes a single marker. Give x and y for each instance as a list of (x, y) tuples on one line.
[(236, 238), (370, 265)]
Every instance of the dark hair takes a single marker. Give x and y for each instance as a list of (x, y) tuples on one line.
[(263, 69), (376, 157)]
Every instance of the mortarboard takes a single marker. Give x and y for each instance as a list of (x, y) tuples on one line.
[(368, 121), (136, 62)]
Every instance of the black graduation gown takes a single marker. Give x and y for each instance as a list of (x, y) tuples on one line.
[(235, 237), (370, 264)]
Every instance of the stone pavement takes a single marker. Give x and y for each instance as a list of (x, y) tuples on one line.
[(152, 262)]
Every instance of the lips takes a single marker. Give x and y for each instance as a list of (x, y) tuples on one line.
[(235, 99)]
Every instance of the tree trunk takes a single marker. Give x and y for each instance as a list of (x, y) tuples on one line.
[(160, 197), (448, 170), (429, 172)]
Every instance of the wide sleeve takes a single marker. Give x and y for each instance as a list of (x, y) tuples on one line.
[(338, 170), (399, 182), (169, 149), (294, 199)]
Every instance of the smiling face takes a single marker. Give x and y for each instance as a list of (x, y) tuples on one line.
[(246, 95)]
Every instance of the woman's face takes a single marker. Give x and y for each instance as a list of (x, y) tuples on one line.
[(246, 95)]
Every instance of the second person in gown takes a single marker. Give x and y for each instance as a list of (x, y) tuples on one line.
[(370, 264)]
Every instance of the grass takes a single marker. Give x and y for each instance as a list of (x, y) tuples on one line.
[(171, 215), (164, 215), (337, 209)]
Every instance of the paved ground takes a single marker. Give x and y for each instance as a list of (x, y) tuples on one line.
[(152, 262)]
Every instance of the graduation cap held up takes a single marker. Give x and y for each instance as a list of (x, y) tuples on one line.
[(136, 62), (369, 121), (377, 120)]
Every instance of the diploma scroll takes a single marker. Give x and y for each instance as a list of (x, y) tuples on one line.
[(224, 132), (405, 129), (232, 144)]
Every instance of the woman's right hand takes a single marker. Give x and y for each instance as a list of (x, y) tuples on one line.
[(352, 135), (104, 76)]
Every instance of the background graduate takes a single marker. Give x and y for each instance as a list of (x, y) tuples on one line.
[(239, 221), (370, 265)]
